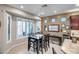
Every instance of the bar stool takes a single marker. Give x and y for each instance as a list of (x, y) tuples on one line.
[(40, 45), (31, 43), (46, 42)]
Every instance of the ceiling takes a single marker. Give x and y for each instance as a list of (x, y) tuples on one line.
[(44, 10)]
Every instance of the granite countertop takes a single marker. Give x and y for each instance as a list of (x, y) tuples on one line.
[(69, 47)]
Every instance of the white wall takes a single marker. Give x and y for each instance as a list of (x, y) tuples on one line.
[(1, 30), (4, 46)]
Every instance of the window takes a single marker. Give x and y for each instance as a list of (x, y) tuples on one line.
[(45, 25), (53, 19), (9, 22), (19, 28), (24, 27), (29, 27), (38, 26), (63, 19)]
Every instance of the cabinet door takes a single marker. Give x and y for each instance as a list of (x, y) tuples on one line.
[(74, 22)]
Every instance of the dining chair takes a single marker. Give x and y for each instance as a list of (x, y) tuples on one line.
[(41, 45)]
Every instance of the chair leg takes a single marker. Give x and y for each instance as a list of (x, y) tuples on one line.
[(42, 49), (33, 47), (45, 47), (28, 43), (53, 50)]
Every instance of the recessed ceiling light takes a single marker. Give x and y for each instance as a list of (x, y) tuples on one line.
[(39, 15), (42, 13), (21, 6), (55, 11)]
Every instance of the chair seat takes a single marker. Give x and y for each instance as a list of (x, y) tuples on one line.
[(32, 40)]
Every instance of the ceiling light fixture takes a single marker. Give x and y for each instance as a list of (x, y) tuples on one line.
[(21, 6), (55, 11), (39, 15), (42, 13)]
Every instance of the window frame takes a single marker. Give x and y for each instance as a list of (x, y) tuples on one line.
[(26, 21), (9, 40), (19, 19), (38, 26)]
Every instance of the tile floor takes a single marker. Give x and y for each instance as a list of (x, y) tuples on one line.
[(22, 49)]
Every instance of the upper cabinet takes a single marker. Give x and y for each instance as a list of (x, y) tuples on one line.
[(74, 22)]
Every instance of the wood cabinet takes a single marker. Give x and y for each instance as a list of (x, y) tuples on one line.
[(74, 22)]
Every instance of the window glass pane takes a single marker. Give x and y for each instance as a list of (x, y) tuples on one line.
[(24, 31), (31, 27), (28, 28), (9, 27), (19, 28), (8, 30), (63, 19), (53, 20), (24, 28), (38, 26)]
